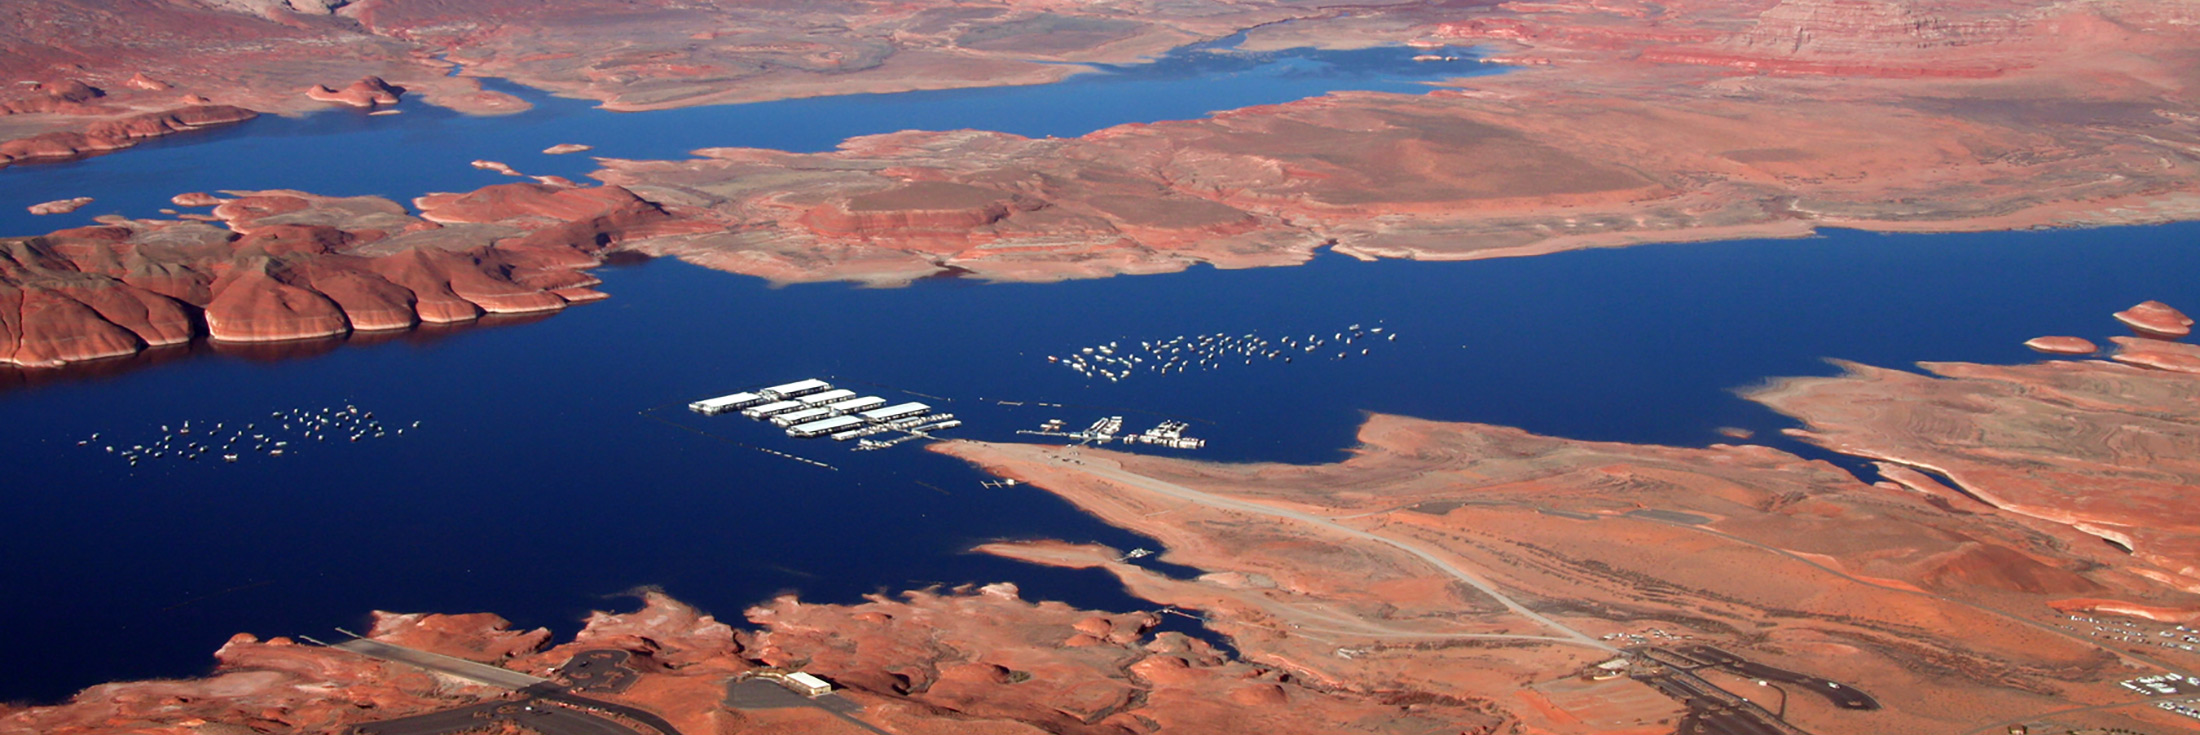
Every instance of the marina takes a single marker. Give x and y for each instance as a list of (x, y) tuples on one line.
[(812, 408), (1115, 360), (1168, 434), (233, 440)]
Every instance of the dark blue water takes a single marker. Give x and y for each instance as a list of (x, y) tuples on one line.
[(537, 489), (346, 152), (534, 488)]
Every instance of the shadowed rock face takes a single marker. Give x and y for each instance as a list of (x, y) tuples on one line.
[(289, 265)]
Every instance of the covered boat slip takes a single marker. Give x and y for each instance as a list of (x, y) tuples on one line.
[(812, 408)]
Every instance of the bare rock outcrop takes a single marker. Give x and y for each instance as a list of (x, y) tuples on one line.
[(2157, 320), (2062, 345), (59, 206), (120, 133), (288, 265), (369, 92)]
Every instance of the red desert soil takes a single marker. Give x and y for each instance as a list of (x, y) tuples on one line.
[(286, 265), (1717, 120), (954, 662), (2110, 449), (1622, 124), (1942, 612), (88, 62), (1950, 609)]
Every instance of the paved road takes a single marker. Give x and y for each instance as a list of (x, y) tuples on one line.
[(1845, 697), (541, 689), (529, 715), (755, 694), (461, 668), (1180, 492), (2126, 655)]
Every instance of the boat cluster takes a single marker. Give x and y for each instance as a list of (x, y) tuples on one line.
[(272, 437), (1117, 360)]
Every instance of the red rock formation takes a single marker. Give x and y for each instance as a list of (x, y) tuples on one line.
[(196, 199), (564, 148), (2062, 345), (141, 81), (66, 97), (497, 166), (1328, 570), (2157, 354), (2156, 319), (252, 305), (2097, 447), (289, 265), (60, 206), (370, 91), (120, 133), (257, 686)]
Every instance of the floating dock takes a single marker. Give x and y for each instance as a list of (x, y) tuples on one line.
[(722, 404), (772, 409), (821, 428), (813, 408), (1168, 434)]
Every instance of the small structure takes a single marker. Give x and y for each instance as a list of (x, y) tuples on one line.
[(798, 388), (896, 411), (722, 404), (821, 428), (772, 409), (853, 405), (803, 416), (803, 683), (820, 399)]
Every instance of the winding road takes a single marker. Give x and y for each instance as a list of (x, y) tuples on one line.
[(1565, 634)]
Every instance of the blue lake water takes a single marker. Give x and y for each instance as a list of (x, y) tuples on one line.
[(536, 487), (346, 152)]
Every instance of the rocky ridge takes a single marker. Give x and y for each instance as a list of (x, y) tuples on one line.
[(285, 265)]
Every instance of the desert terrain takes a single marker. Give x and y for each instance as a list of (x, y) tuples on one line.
[(1618, 124), (1454, 577)]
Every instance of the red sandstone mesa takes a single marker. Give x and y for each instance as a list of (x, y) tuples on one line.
[(2156, 319), (59, 206), (2062, 345), (287, 265), (369, 91)]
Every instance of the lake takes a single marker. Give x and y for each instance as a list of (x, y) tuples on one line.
[(553, 469)]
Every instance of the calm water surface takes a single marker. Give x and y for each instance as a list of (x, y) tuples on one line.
[(540, 485)]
